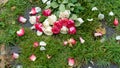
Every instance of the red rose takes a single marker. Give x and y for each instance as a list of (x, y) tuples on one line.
[(55, 30), (39, 27), (64, 21), (58, 24), (72, 30), (46, 12), (71, 23)]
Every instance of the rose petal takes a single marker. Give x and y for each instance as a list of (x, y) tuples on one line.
[(101, 16), (82, 40), (32, 57), (111, 13), (71, 61), (36, 44), (65, 43), (15, 55), (94, 8), (39, 33), (72, 41), (46, 12), (22, 19), (116, 23), (97, 34), (42, 43), (72, 30), (21, 32), (42, 48), (118, 38)]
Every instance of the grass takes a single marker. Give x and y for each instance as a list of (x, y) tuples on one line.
[(102, 53)]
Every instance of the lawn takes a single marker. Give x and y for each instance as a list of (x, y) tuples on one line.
[(103, 53)]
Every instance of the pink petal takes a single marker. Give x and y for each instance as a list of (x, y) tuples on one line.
[(15, 55), (82, 40), (97, 34), (72, 41), (22, 19), (32, 57), (36, 44), (71, 61), (65, 43), (33, 11), (37, 18), (21, 32), (116, 23)]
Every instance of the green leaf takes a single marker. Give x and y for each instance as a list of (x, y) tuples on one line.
[(54, 4), (77, 24), (65, 1), (74, 16), (73, 1), (62, 7), (48, 6)]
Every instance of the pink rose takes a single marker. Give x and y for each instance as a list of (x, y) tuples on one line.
[(58, 24), (64, 21), (55, 30), (71, 23), (72, 30), (39, 27), (47, 12)]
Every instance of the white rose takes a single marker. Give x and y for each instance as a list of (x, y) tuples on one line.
[(64, 30), (80, 20), (94, 8), (32, 19), (52, 19), (48, 31), (65, 14), (46, 23), (111, 13), (101, 16)]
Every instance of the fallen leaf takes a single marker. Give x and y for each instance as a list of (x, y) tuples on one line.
[(101, 30), (13, 8)]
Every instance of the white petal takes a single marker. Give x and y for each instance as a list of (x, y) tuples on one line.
[(44, 1), (48, 31), (32, 19), (33, 27), (42, 43), (117, 37), (89, 67), (101, 16), (94, 8), (52, 19), (82, 40), (39, 33), (80, 20), (46, 23), (111, 13), (90, 19), (38, 9), (48, 3), (64, 30), (42, 49)]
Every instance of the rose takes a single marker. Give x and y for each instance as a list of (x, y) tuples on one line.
[(64, 14), (58, 24), (48, 31), (46, 23), (46, 12), (72, 30), (52, 19), (39, 27), (64, 21), (55, 30), (64, 30), (70, 23)]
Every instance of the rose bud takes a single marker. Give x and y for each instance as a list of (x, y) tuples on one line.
[(65, 43), (55, 30), (22, 19), (32, 57), (35, 10), (71, 62), (21, 32), (116, 22), (70, 23), (36, 44), (82, 40), (97, 34), (72, 30), (39, 27), (72, 41), (42, 43), (46, 12), (15, 55)]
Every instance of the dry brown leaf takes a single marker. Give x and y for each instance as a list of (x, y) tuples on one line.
[(13, 8), (101, 30)]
